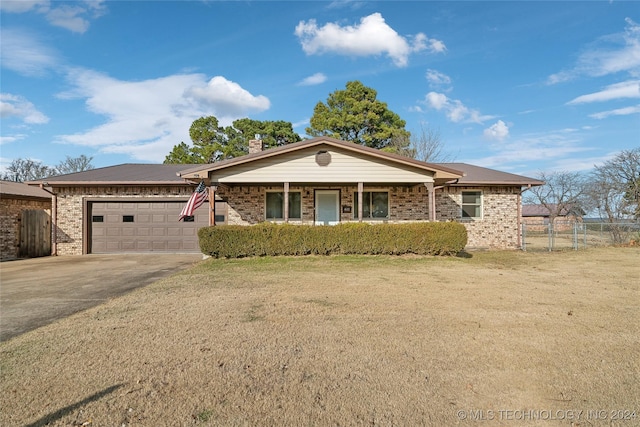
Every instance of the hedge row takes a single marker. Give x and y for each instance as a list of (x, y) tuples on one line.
[(427, 238)]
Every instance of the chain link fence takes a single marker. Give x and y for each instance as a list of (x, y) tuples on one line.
[(575, 235)]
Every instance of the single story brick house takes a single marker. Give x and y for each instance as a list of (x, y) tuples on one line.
[(25, 220), (320, 181)]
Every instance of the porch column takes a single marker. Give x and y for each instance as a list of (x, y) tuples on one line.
[(212, 204), (432, 200), (360, 191), (286, 202)]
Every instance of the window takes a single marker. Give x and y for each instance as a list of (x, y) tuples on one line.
[(375, 204), (97, 218), (471, 204), (188, 218), (127, 218), (275, 205)]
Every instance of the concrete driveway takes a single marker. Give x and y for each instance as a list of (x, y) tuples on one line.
[(35, 292)]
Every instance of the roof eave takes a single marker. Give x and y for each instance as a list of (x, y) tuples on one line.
[(194, 173), (104, 183)]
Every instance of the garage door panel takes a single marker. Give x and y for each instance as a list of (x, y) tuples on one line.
[(144, 226), (144, 218)]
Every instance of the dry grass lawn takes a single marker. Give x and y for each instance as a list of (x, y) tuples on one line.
[(346, 341)]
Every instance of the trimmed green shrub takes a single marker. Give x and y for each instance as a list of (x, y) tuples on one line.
[(267, 239)]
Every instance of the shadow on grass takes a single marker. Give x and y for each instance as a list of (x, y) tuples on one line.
[(464, 254), (49, 418)]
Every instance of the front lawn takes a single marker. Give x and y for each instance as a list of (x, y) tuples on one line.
[(346, 340)]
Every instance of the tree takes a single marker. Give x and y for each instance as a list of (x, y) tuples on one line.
[(355, 115), (426, 147), (212, 143), (272, 133), (74, 164), (429, 147), (562, 193), (21, 170), (182, 154), (614, 190)]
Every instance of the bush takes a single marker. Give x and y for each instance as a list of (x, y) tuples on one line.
[(266, 239)]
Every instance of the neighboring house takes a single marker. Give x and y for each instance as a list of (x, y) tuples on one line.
[(25, 221), (537, 217), (130, 207)]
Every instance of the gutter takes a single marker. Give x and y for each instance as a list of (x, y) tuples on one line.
[(54, 219)]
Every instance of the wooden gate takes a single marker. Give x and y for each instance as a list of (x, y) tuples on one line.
[(35, 234)]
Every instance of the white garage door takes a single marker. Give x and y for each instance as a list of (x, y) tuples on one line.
[(144, 226)]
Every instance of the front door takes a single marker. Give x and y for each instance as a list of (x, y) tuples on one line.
[(327, 207)]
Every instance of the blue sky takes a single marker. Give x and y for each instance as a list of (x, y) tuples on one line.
[(517, 86)]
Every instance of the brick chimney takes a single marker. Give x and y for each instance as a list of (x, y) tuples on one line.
[(255, 145)]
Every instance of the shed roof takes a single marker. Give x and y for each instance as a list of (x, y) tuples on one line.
[(20, 189)]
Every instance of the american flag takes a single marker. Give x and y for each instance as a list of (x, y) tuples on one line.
[(199, 196)]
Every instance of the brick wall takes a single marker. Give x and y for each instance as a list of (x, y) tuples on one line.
[(247, 203), (69, 227), (499, 227), (10, 220)]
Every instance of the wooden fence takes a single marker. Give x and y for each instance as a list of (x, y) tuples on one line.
[(35, 234)]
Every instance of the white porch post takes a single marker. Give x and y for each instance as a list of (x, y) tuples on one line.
[(360, 191), (212, 204), (432, 200), (286, 202)]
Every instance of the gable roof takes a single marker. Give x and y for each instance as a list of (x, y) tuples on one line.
[(477, 175), (125, 174), (202, 171), (21, 190)]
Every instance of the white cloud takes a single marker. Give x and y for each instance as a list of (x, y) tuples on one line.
[(21, 52), (610, 54), (617, 112), (628, 89), (454, 109), (371, 37), (145, 119), (549, 147), (69, 17), (21, 6), (12, 138), (315, 79), (226, 97), (497, 132), (438, 80), (18, 106), (74, 17)]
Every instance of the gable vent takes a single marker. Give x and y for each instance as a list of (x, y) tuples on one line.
[(323, 158)]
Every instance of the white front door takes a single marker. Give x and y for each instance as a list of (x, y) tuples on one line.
[(327, 207)]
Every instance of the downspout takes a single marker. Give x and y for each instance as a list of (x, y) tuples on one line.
[(440, 187), (54, 220)]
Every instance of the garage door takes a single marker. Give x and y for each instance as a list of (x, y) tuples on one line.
[(144, 226)]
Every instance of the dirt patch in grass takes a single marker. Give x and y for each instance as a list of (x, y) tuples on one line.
[(508, 337)]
